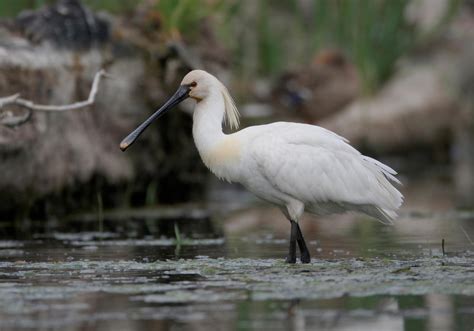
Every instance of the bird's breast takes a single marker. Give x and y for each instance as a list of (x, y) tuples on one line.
[(223, 158)]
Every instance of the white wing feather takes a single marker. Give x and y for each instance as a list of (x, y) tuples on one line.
[(317, 167)]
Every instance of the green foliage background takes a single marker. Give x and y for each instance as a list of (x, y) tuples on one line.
[(269, 36)]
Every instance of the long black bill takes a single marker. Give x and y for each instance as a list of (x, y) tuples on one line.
[(181, 94)]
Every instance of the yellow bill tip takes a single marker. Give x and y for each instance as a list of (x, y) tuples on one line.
[(124, 146)]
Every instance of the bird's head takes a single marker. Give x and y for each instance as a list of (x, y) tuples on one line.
[(198, 85)]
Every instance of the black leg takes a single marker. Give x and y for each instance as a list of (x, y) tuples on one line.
[(292, 250), (305, 257)]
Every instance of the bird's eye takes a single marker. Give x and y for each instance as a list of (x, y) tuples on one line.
[(193, 84)]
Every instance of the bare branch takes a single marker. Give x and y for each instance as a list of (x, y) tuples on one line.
[(8, 100), (9, 119)]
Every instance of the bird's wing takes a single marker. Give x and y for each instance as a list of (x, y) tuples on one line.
[(314, 165)]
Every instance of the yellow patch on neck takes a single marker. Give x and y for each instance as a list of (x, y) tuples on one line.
[(225, 153)]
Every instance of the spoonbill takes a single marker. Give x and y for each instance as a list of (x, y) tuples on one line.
[(298, 167)]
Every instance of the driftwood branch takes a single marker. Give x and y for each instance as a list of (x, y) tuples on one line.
[(8, 119)]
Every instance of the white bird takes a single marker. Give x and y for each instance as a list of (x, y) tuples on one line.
[(298, 167)]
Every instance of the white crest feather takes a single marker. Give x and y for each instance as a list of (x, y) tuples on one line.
[(231, 113)]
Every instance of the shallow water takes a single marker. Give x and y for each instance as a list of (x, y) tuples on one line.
[(229, 273)]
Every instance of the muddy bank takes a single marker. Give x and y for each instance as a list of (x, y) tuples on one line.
[(57, 162)]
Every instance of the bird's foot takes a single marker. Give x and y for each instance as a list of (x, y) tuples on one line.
[(290, 259), (305, 258)]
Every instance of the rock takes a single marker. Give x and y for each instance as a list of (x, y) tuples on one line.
[(53, 151), (65, 24)]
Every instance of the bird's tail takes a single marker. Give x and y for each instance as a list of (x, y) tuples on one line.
[(389, 198), (383, 215)]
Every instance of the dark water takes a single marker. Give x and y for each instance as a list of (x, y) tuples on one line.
[(178, 269)]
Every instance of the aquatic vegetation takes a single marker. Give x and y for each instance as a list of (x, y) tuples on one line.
[(265, 278)]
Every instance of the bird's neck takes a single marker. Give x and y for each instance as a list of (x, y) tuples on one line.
[(219, 152), (207, 122)]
